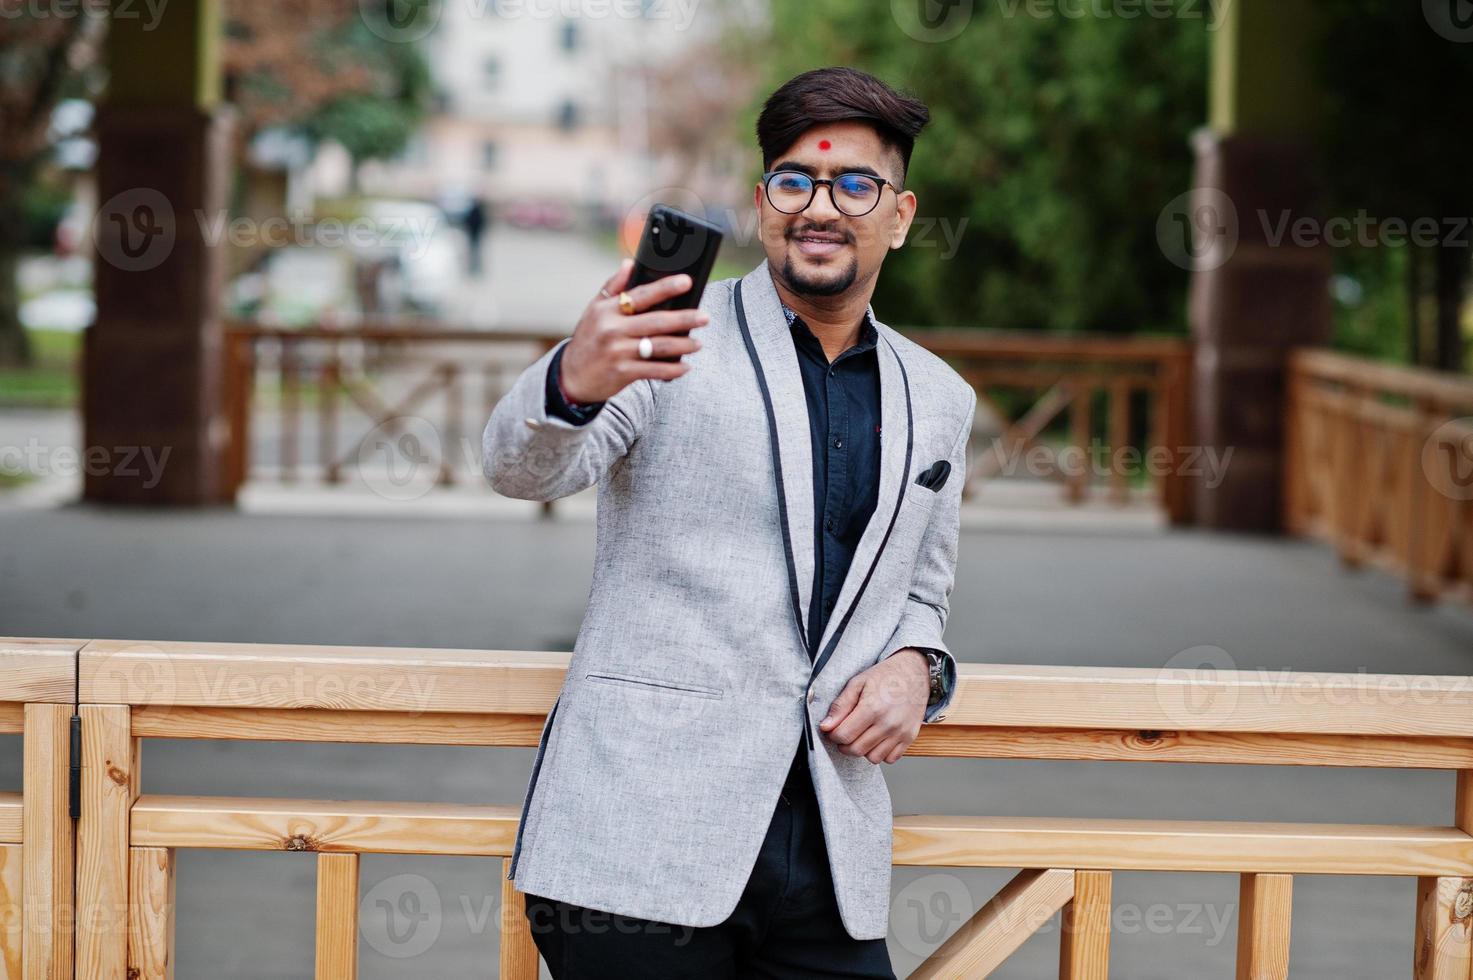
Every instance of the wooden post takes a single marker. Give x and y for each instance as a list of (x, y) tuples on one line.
[(46, 883), (1265, 911), (151, 913), (518, 951), (12, 911), (110, 775), (1084, 950), (1079, 435), (327, 417), (1119, 440), (337, 917), (1441, 948)]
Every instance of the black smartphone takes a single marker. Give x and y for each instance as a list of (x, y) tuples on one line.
[(674, 242)]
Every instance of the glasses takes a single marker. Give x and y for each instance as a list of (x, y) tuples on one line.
[(791, 191)]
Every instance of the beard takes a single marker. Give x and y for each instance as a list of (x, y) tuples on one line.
[(805, 285)]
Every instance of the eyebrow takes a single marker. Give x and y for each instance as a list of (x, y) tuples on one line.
[(804, 168)]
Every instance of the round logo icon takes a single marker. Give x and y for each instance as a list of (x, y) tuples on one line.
[(134, 230), (1192, 688), (401, 458), (400, 917), (1452, 19), (400, 21), (932, 21), (1198, 230), (138, 674), (928, 910), (1447, 459), (680, 244)]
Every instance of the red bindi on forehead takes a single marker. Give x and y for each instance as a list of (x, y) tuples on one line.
[(825, 145)]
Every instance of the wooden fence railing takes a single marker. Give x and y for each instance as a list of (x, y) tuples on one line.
[(126, 841), (1026, 383), (38, 688), (1379, 461)]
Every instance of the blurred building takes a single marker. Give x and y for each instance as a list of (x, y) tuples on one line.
[(545, 115)]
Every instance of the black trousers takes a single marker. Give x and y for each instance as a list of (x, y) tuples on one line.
[(786, 923)]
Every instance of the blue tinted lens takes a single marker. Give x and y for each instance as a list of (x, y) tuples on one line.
[(857, 185), (792, 183)]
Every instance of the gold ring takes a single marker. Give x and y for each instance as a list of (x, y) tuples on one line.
[(626, 304)]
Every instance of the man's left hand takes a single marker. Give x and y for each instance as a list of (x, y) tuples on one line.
[(880, 710)]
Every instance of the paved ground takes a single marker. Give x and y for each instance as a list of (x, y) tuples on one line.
[(1132, 599)]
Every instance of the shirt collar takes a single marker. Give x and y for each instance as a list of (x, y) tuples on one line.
[(869, 336)]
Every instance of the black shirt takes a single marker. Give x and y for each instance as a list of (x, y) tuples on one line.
[(844, 425)]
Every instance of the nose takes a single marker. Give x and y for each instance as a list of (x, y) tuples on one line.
[(823, 193)]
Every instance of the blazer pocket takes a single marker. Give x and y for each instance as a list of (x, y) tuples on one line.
[(654, 683)]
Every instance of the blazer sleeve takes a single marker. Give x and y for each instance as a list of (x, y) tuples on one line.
[(530, 454), (923, 619)]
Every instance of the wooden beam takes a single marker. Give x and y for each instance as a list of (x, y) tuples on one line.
[(417, 681), (1181, 845), (37, 670), (376, 727), (1000, 926), (1229, 748), (324, 825)]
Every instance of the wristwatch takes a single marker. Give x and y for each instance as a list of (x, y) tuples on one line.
[(936, 666)]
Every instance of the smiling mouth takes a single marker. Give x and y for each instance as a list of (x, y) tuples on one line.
[(818, 244)]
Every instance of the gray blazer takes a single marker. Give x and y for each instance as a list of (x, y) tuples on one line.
[(690, 683)]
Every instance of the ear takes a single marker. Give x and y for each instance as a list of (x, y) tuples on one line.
[(905, 212), (757, 197)]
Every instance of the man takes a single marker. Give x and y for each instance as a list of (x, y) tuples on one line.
[(776, 544)]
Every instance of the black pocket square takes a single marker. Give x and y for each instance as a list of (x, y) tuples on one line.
[(934, 478)]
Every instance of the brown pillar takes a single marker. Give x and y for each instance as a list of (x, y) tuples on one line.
[(1266, 297), (153, 418), (1258, 289)]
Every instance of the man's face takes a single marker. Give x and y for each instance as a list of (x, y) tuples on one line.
[(822, 251)]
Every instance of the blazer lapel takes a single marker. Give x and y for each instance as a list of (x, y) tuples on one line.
[(770, 345)]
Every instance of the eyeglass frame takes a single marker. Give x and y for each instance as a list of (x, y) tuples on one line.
[(829, 181)]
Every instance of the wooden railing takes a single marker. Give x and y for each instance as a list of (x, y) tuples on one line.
[(1027, 383), (38, 688), (1379, 461), (390, 376), (126, 841)]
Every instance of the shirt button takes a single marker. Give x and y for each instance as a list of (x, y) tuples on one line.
[(828, 525), (533, 424), (838, 443)]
